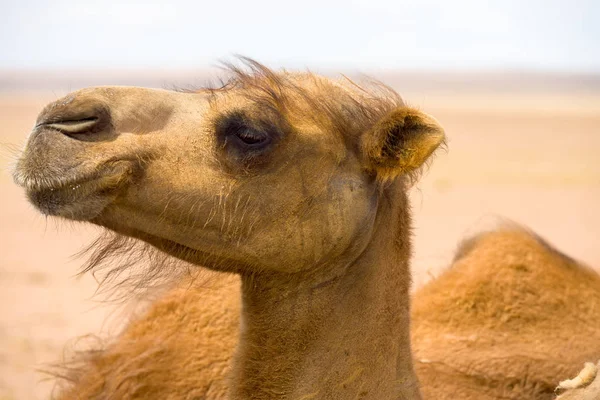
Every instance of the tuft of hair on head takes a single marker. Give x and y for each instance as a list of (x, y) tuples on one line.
[(260, 83), (401, 143)]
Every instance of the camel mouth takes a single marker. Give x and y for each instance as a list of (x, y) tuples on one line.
[(82, 197)]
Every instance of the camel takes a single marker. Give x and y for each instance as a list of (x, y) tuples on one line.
[(296, 185), (293, 182), (497, 324)]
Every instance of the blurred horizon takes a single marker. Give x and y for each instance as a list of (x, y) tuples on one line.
[(551, 36), (471, 81)]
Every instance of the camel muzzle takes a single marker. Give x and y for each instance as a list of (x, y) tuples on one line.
[(78, 121)]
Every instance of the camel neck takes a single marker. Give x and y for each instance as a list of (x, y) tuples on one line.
[(346, 337)]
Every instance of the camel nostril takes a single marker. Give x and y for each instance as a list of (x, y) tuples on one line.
[(83, 122), (73, 126)]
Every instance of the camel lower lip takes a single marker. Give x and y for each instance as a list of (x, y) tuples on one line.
[(81, 199)]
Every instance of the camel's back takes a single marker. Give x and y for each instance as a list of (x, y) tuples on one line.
[(509, 319)]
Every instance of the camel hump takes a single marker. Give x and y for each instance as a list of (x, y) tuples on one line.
[(512, 276), (510, 306), (514, 234)]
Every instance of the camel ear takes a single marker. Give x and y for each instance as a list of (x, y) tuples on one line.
[(401, 142)]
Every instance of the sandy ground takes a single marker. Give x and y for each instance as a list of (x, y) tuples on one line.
[(531, 157)]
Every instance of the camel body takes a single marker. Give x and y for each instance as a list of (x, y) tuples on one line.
[(502, 322)]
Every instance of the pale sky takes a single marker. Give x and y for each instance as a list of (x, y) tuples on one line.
[(547, 35)]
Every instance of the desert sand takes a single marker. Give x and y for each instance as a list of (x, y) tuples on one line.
[(524, 152)]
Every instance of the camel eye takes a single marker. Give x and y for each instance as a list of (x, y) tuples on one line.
[(237, 130)]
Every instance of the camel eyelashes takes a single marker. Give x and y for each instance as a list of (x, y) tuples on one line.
[(251, 137), (236, 129)]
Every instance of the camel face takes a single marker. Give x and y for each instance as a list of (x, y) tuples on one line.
[(275, 171)]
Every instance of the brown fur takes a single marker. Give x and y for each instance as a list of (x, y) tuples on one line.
[(179, 349), (509, 319)]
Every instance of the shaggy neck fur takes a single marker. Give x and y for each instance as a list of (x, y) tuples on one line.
[(346, 337)]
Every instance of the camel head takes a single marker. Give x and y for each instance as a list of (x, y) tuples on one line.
[(271, 172)]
